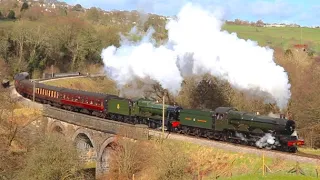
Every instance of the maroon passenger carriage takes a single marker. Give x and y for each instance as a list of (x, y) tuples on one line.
[(70, 99)]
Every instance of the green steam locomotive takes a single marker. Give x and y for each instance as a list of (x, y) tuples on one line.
[(223, 123)]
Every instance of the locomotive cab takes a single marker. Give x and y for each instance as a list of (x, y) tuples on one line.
[(173, 112), (290, 127), (172, 121)]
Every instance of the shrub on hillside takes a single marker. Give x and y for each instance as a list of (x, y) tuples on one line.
[(53, 158)]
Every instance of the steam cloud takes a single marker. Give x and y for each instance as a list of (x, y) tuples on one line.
[(197, 45), (267, 141)]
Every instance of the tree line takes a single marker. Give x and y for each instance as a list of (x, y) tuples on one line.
[(68, 39)]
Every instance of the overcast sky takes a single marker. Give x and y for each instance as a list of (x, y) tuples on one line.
[(303, 12)]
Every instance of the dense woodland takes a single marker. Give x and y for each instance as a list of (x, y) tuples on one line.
[(33, 39)]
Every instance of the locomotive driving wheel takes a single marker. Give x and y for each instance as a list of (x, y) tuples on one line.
[(185, 130)]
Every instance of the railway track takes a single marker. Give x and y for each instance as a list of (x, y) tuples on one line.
[(239, 148)]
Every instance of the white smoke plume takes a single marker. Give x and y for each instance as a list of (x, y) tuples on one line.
[(241, 136), (196, 45), (267, 141)]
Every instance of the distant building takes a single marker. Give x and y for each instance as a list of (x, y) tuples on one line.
[(274, 25), (281, 25)]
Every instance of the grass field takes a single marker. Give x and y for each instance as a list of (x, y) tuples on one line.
[(271, 177), (284, 37), (232, 166), (310, 151)]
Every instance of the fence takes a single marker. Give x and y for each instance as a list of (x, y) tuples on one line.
[(311, 171)]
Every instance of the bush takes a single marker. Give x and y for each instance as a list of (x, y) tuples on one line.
[(128, 158), (11, 15), (53, 158), (171, 162)]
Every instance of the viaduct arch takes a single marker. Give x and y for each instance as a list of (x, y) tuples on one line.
[(93, 137)]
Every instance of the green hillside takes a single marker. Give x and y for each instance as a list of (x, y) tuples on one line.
[(284, 37)]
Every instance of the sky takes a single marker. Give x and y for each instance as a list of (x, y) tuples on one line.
[(302, 12)]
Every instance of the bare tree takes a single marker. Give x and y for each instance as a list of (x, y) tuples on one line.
[(170, 161), (260, 23), (128, 158)]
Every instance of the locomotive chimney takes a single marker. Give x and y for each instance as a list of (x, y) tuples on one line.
[(282, 116)]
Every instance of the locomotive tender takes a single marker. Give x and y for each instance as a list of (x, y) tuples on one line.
[(223, 123)]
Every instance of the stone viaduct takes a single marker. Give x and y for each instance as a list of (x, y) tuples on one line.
[(92, 136)]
